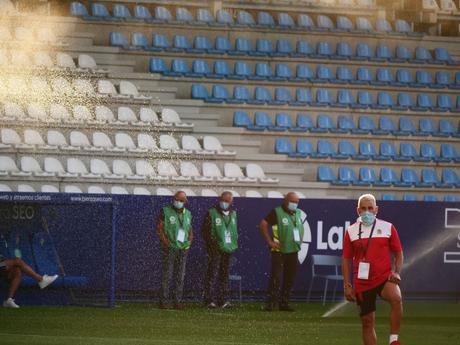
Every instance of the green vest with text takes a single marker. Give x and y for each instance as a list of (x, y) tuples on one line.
[(224, 230), (175, 221), (284, 230)]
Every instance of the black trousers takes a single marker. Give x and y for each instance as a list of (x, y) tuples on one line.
[(285, 264), (218, 265)]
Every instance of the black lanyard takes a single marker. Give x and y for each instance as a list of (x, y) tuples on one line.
[(293, 220), (364, 250)]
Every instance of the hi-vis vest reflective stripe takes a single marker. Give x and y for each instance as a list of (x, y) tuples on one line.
[(284, 231), (224, 230), (173, 221)]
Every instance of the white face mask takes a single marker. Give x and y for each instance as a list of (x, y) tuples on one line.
[(367, 218)]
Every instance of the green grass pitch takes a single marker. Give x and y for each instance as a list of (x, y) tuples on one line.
[(143, 324)]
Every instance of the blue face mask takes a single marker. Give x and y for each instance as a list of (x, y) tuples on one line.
[(292, 206), (367, 218), (178, 204), (224, 205)]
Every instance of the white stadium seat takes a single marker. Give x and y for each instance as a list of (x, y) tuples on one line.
[(127, 116), (167, 169), (25, 188), (234, 193), (49, 188), (37, 112), (20, 59), (106, 88), (141, 191), (42, 59), (45, 35), (144, 168), (61, 87), (56, 138), (252, 194), (59, 112), (275, 194), (232, 170), (5, 188), (187, 191), (121, 167), (82, 114), (148, 115), (129, 89), (211, 143), (87, 63), (33, 138), (208, 192), (168, 143), (301, 195), (118, 190), (104, 114), (124, 141), (17, 85), (95, 189), (10, 138), (188, 169), (72, 189), (170, 116), (64, 60), (80, 140), (255, 171), (83, 87), (76, 166), (13, 110), (163, 191), (40, 86), (30, 165), (146, 141), (212, 170), (53, 165), (190, 143), (99, 167)]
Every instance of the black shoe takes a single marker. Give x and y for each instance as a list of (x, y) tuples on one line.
[(286, 307), (268, 307)]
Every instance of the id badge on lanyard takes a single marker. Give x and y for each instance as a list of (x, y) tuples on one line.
[(364, 267), (296, 235), (228, 237), (181, 236)]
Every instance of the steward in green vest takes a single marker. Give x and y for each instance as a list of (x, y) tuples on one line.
[(284, 242), (175, 232), (220, 235)]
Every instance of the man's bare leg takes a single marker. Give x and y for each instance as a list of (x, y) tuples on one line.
[(368, 323), (392, 294)]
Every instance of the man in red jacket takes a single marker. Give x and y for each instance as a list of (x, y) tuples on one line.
[(370, 245)]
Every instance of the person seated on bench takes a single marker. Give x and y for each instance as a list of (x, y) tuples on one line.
[(12, 269)]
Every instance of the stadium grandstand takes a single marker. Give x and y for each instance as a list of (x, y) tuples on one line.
[(326, 98)]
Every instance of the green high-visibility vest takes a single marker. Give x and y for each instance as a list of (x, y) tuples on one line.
[(284, 230), (224, 230), (177, 227)]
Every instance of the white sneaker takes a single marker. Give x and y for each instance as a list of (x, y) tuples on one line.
[(9, 303), (47, 280)]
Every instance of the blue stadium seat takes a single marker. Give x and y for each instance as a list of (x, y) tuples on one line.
[(427, 153), (424, 103), (423, 79), (262, 72), (345, 124), (265, 19), (367, 176), (222, 69), (158, 65), (323, 74), (303, 97), (219, 94), (443, 103), (364, 100), (283, 72), (456, 109), (403, 78), (305, 22), (263, 47), (422, 55), (383, 26), (304, 49), (388, 177), (240, 95), (120, 11), (283, 48), (304, 148), (162, 14), (183, 15), (402, 54), (242, 70), (388, 197), (347, 176), (325, 174), (365, 125), (242, 47), (405, 102), (222, 45), (382, 53), (346, 150), (283, 121), (450, 178), (244, 18), (160, 42), (200, 92), (409, 197), (325, 149), (142, 13), (363, 52), (441, 55), (241, 119), (285, 21), (77, 9), (446, 128), (443, 79), (384, 101), (343, 51), (182, 43), (386, 126), (200, 69), (407, 152), (363, 25), (426, 127), (448, 154), (100, 12), (344, 24), (456, 83), (261, 96), (283, 146), (450, 198), (179, 68), (406, 127), (363, 76), (304, 122), (345, 99), (282, 96), (343, 75), (224, 18), (117, 39), (140, 41), (383, 77), (324, 23), (402, 27), (263, 121), (430, 198), (204, 16), (323, 124), (410, 178), (323, 98), (303, 73), (323, 50), (366, 150), (202, 44), (429, 178), (387, 151)]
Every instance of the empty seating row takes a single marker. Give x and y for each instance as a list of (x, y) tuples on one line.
[(101, 115), (343, 98), (367, 150), (345, 124), (323, 74), (20, 59), (282, 48), (61, 86), (388, 177), (42, 35), (163, 170), (243, 19), (123, 142), (413, 197)]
